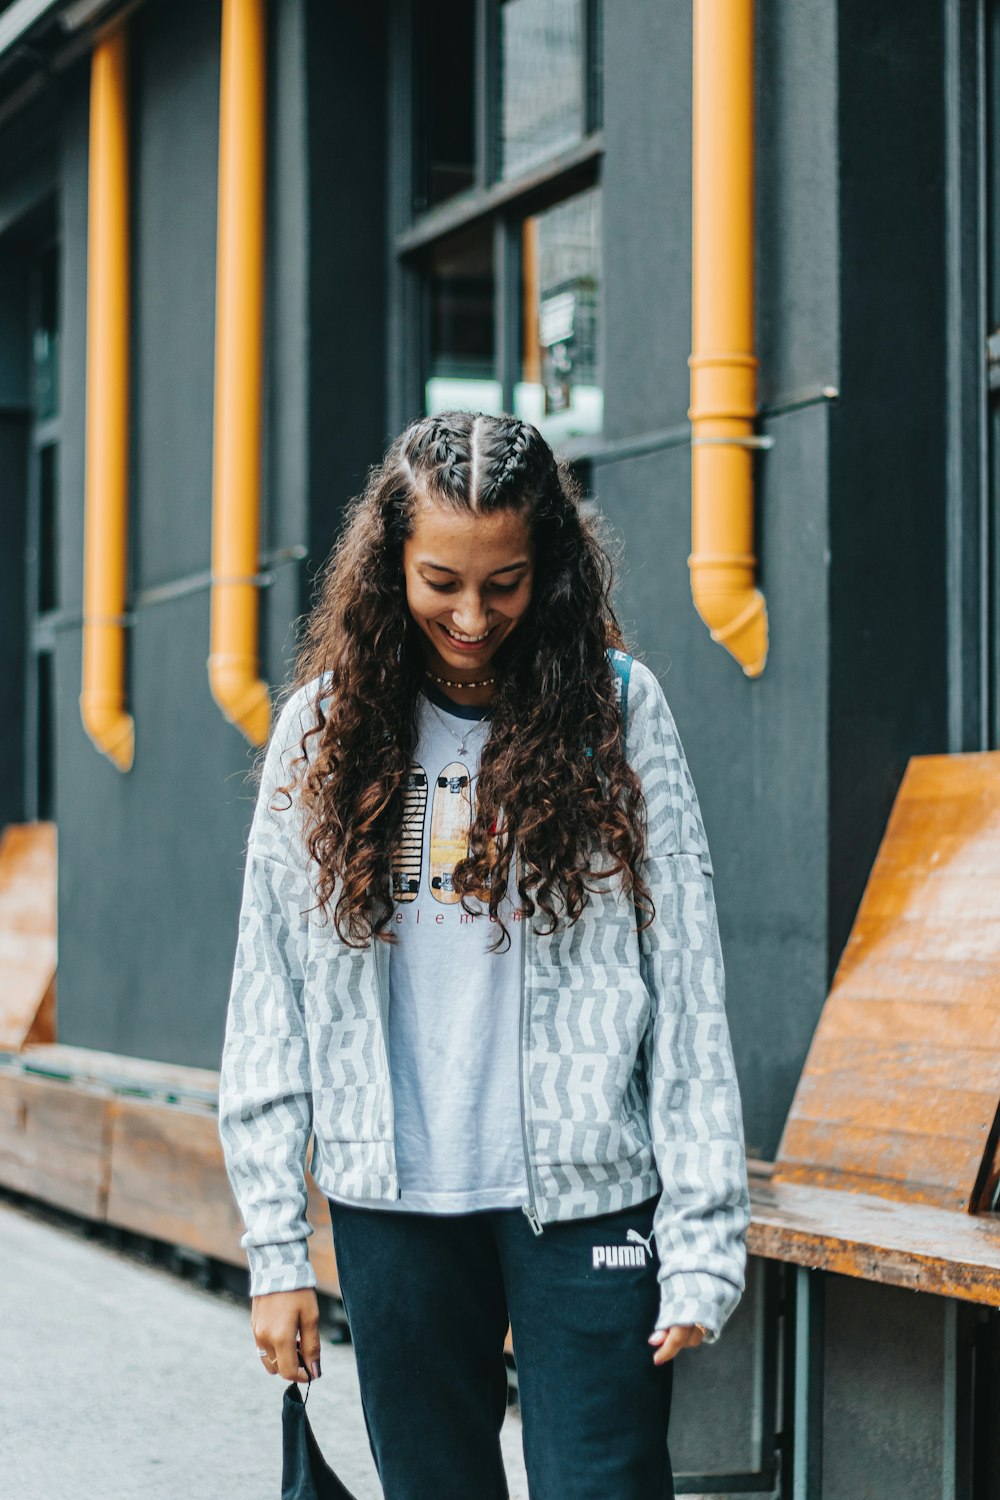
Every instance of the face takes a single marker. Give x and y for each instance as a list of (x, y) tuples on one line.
[(468, 583)]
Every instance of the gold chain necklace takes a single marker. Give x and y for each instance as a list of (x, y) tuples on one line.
[(446, 682)]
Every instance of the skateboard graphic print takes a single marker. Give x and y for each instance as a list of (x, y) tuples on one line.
[(451, 818), (408, 856)]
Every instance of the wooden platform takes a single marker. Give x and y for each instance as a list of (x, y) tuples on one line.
[(860, 1234), (134, 1142), (131, 1142)]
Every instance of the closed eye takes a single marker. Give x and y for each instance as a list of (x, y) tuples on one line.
[(496, 588)]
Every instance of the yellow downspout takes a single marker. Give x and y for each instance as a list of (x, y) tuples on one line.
[(105, 545), (723, 365), (239, 318)]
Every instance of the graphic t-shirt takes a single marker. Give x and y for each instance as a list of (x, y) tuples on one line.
[(454, 1007)]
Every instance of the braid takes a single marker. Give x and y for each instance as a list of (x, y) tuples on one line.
[(522, 460), (514, 459), (437, 446), (517, 456)]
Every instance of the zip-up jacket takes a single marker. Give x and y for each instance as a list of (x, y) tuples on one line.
[(627, 1081)]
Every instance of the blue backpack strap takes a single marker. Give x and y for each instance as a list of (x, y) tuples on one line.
[(622, 664)]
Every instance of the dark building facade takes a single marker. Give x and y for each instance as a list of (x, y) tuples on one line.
[(488, 204)]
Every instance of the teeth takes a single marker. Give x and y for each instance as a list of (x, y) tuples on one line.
[(460, 637)]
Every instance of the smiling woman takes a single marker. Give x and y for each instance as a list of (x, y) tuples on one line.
[(516, 1081)]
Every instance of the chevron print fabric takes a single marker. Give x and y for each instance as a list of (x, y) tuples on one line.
[(630, 1086)]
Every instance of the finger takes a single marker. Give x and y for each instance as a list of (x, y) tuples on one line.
[(287, 1349), (309, 1342), (267, 1358), (690, 1336), (675, 1340)]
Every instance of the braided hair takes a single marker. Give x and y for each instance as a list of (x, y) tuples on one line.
[(553, 762)]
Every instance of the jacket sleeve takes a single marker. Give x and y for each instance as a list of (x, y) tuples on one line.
[(265, 1097), (696, 1117)]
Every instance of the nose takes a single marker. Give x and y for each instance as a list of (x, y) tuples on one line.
[(470, 615)]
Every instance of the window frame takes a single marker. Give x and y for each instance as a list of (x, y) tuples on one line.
[(504, 201)]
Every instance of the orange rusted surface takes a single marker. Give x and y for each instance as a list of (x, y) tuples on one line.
[(27, 934), (900, 1090), (864, 1235)]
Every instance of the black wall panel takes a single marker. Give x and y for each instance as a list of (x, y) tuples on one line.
[(151, 861), (888, 665)]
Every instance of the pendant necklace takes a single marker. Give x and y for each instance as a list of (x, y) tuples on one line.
[(476, 724)]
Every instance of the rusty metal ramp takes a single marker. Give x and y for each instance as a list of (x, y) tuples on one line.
[(900, 1091)]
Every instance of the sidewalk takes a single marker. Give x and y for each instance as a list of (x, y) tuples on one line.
[(122, 1381)]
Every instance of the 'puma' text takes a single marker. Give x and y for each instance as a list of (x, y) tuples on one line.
[(619, 1255)]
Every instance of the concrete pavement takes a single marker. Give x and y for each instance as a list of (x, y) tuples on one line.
[(122, 1381)]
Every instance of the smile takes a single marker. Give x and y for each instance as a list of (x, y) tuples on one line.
[(466, 642)]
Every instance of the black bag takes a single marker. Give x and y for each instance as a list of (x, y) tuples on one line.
[(305, 1473)]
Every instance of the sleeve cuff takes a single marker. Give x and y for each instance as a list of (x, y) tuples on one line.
[(283, 1267), (689, 1297)]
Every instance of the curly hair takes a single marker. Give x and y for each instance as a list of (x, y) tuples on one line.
[(553, 780)]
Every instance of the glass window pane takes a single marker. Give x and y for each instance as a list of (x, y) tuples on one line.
[(444, 51), (541, 80), (462, 370), (561, 389)]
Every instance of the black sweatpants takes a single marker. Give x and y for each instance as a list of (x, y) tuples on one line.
[(427, 1299)]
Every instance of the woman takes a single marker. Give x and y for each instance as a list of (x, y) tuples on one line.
[(479, 959)]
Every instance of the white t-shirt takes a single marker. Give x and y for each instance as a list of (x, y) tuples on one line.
[(454, 1043)]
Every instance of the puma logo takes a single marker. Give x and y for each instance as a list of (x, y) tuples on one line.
[(636, 1237), (618, 1256)]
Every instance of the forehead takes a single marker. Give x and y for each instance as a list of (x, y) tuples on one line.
[(467, 541)]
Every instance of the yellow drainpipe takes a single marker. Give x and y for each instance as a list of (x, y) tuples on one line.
[(723, 365), (105, 547), (233, 662)]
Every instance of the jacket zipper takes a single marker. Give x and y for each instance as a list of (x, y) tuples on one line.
[(528, 1209)]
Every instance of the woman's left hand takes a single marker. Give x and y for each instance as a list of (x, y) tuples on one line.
[(673, 1340)]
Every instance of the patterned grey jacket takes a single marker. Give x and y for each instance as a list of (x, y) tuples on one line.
[(628, 1086)]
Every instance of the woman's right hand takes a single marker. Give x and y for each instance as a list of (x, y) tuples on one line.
[(283, 1323)]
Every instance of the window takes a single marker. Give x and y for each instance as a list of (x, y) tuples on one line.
[(444, 93), (541, 80), (497, 232), (461, 291), (559, 386)]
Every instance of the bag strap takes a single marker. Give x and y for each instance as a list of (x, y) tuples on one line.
[(622, 664)]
